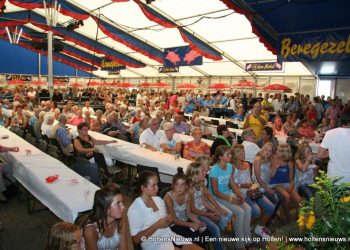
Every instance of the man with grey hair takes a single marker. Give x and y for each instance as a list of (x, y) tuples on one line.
[(150, 137), (47, 125), (61, 134), (170, 142), (249, 143)]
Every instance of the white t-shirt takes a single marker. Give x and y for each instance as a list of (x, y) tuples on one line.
[(277, 105), (251, 149), (46, 129), (142, 217), (337, 141), (91, 110), (150, 138)]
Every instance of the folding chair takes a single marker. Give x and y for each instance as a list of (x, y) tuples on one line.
[(108, 172), (163, 187)]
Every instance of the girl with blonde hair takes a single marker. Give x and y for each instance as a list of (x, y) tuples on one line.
[(282, 178), (242, 176), (202, 202), (305, 171)]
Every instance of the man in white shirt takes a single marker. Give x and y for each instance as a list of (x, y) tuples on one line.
[(278, 104), (150, 137), (88, 108), (335, 145), (249, 143), (47, 125)]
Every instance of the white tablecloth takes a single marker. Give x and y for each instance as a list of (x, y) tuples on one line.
[(62, 197), (133, 154)]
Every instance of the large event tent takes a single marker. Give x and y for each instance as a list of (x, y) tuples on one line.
[(135, 34)]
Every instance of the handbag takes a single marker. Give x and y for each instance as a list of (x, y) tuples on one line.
[(254, 193)]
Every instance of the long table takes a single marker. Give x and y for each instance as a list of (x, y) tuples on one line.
[(63, 197), (133, 154)]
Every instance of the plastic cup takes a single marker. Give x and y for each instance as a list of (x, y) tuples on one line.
[(28, 152)]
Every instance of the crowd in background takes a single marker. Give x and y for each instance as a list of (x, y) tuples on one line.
[(219, 184)]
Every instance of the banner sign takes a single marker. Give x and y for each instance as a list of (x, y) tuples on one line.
[(181, 56), (114, 72), (168, 69), (19, 77), (320, 46), (60, 79), (263, 66), (110, 65)]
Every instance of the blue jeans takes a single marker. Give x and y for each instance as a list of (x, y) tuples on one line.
[(214, 230), (263, 202), (306, 191)]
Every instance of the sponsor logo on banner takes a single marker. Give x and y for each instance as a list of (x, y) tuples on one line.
[(60, 79), (263, 66), (168, 69), (318, 46), (181, 56), (114, 72), (19, 77), (110, 65)]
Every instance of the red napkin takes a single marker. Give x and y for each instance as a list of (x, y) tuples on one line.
[(51, 178)]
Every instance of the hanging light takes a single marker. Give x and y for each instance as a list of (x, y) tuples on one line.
[(15, 36), (51, 14)]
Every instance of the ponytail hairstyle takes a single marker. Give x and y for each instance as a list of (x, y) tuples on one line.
[(220, 151), (142, 181), (180, 175)]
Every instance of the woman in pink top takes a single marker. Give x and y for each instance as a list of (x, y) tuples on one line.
[(75, 120)]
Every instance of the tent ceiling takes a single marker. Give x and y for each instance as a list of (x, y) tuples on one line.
[(272, 18), (226, 31)]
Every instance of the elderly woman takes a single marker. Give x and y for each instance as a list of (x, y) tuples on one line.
[(137, 128), (19, 119), (37, 125), (195, 115), (278, 128), (169, 141), (167, 118), (84, 144), (136, 117), (75, 120), (199, 123), (46, 127), (196, 148), (96, 124)]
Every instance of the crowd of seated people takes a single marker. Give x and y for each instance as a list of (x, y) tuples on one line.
[(283, 171)]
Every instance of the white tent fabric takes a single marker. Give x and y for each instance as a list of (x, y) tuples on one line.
[(228, 32)]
